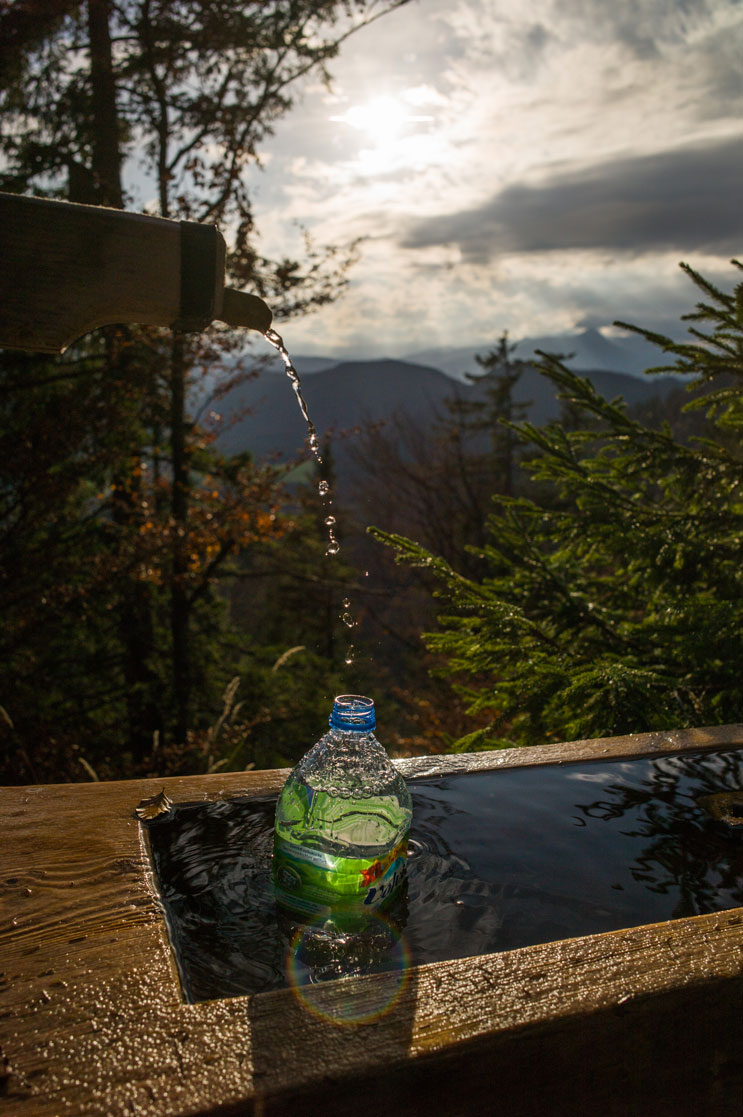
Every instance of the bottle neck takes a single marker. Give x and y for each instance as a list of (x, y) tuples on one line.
[(351, 736)]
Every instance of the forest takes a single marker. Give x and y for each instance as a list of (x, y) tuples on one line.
[(168, 608)]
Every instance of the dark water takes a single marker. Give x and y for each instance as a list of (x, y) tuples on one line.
[(498, 860)]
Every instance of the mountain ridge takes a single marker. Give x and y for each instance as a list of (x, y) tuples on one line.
[(262, 416), (585, 350), (588, 350)]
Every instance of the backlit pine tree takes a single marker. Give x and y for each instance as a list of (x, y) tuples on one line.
[(613, 603)]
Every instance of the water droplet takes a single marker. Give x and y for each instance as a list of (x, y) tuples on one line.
[(323, 488), (333, 547), (346, 602), (349, 654), (348, 620), (330, 520)]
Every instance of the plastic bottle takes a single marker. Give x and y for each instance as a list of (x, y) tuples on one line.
[(342, 820)]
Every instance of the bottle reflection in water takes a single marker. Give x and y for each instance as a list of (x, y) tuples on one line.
[(339, 946)]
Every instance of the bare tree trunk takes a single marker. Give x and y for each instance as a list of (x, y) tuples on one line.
[(135, 618), (179, 598), (106, 153)]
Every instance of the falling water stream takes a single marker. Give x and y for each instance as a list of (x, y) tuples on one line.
[(323, 487)]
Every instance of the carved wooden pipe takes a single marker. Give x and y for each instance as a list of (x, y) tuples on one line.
[(66, 269)]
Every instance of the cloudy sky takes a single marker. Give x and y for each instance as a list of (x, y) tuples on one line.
[(534, 167)]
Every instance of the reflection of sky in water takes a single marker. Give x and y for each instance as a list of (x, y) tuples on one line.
[(589, 777), (497, 860)]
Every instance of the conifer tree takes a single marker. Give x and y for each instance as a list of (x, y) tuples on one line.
[(614, 602), (494, 414)]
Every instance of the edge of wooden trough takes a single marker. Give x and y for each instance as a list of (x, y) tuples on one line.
[(93, 1020)]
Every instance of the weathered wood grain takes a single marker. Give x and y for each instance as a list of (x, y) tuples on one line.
[(68, 268), (92, 1020)]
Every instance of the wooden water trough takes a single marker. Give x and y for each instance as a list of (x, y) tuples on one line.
[(639, 1021)]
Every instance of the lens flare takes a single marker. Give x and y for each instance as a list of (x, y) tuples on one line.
[(321, 955)]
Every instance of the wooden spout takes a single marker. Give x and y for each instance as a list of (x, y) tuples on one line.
[(66, 269), (241, 309)]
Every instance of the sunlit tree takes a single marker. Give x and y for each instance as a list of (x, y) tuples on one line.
[(614, 603)]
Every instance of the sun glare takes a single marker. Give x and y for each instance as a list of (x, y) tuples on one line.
[(382, 117)]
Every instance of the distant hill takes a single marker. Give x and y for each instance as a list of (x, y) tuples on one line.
[(590, 350), (347, 396), (262, 415), (586, 350)]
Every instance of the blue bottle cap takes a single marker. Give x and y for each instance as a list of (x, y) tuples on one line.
[(353, 711)]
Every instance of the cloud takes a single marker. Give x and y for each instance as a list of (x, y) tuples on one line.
[(583, 146), (685, 199)]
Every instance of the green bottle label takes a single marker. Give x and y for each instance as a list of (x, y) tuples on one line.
[(312, 882)]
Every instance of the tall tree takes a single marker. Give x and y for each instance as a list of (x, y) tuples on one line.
[(491, 417), (437, 478), (614, 605), (184, 91)]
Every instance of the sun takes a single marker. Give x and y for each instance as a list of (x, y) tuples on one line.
[(381, 118)]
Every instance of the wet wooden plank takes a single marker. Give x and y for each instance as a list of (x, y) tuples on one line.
[(92, 1020), (571, 752)]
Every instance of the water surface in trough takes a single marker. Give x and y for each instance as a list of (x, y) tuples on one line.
[(498, 859)]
